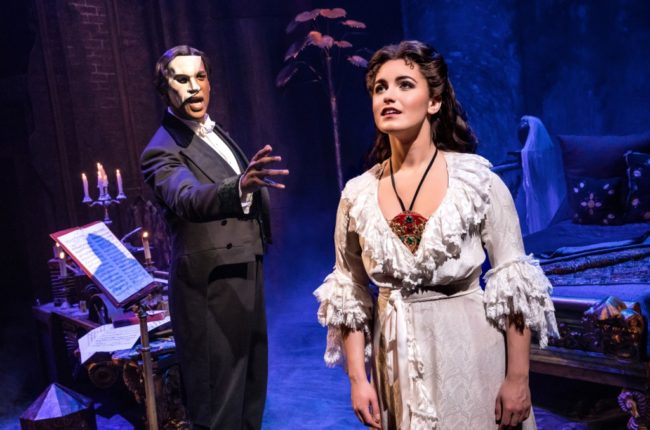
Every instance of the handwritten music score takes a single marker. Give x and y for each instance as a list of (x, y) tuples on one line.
[(106, 261)]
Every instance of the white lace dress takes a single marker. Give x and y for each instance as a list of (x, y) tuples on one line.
[(434, 336)]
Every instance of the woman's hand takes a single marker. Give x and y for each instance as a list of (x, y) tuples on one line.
[(363, 394), (364, 403), (513, 401)]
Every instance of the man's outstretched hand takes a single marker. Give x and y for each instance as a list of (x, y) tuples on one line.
[(258, 175)]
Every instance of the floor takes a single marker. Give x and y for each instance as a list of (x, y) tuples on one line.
[(303, 393)]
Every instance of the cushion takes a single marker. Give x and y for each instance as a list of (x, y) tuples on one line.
[(637, 206), (599, 156), (589, 158), (596, 201)]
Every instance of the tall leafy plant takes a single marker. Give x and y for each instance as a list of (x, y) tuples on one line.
[(325, 31)]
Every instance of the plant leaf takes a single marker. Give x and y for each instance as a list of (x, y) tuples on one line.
[(333, 13), (307, 16), (318, 39), (358, 61), (285, 74), (296, 48), (343, 44), (314, 37), (353, 24), (292, 26), (326, 42)]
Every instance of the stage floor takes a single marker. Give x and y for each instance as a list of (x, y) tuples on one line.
[(302, 392)]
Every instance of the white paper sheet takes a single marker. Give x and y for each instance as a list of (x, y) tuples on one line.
[(107, 338), (107, 260)]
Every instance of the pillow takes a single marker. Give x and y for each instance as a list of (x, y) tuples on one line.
[(596, 201), (599, 157), (589, 158), (637, 206)]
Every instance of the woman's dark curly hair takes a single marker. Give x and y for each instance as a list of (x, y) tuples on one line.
[(450, 130)]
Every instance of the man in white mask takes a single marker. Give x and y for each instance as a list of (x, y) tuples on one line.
[(216, 205)]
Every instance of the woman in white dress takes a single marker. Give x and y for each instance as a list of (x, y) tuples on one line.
[(445, 354)]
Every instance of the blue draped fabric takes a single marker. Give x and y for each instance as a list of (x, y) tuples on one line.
[(543, 176)]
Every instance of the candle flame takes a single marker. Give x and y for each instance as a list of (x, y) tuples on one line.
[(145, 235), (62, 255), (83, 176)]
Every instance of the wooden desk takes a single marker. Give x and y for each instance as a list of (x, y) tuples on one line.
[(59, 331)]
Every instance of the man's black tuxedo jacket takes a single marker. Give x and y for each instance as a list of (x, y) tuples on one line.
[(198, 191)]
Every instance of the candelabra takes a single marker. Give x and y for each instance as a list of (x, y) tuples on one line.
[(104, 200)]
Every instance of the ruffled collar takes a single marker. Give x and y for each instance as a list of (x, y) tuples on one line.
[(460, 213)]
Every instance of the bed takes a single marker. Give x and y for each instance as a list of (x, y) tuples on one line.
[(583, 206)]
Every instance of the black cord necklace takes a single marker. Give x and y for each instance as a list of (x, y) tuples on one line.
[(409, 225)]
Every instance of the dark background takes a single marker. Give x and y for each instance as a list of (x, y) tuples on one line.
[(75, 89)]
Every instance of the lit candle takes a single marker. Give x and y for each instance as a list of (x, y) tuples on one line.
[(62, 270), (84, 179), (100, 181), (104, 176), (55, 249), (145, 246), (120, 190)]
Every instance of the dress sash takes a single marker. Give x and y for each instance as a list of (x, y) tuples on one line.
[(402, 356)]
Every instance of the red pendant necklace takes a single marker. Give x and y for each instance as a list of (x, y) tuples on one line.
[(407, 225)]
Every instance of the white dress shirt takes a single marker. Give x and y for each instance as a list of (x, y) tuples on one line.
[(206, 132)]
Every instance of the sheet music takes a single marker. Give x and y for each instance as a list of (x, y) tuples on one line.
[(105, 258), (107, 338)]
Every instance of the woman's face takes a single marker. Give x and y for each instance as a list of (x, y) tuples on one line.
[(400, 98)]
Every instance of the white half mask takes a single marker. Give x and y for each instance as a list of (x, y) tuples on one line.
[(189, 87)]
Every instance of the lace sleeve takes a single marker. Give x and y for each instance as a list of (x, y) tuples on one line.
[(516, 283), (344, 296)]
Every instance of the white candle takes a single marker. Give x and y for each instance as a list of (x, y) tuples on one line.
[(62, 270), (104, 176), (120, 190), (100, 181), (55, 249), (145, 246), (84, 179)]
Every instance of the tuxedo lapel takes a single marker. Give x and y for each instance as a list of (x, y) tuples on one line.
[(213, 166), (261, 201), (261, 205), (197, 150), (207, 159), (239, 154)]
